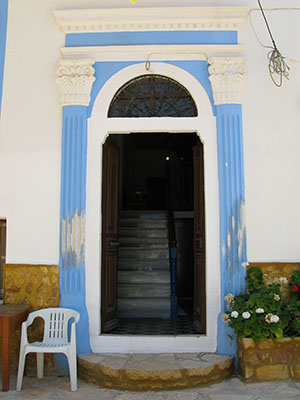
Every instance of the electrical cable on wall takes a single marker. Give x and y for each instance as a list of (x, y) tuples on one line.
[(278, 68)]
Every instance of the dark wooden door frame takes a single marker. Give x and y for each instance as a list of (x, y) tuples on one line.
[(110, 208), (199, 314)]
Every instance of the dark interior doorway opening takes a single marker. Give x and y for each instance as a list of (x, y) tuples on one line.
[(152, 169)]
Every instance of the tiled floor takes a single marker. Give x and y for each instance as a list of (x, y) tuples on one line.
[(182, 325)]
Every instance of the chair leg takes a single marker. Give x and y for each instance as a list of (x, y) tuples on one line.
[(21, 366), (40, 364), (72, 360)]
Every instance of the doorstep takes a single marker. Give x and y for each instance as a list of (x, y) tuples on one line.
[(143, 372)]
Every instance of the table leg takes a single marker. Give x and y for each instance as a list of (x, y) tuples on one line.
[(5, 353)]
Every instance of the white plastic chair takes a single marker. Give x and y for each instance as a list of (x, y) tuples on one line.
[(55, 340)]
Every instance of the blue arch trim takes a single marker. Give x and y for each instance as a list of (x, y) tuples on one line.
[(105, 70), (3, 29), (150, 37)]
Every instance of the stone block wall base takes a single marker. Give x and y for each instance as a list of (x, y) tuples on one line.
[(269, 360), (143, 372), (38, 287)]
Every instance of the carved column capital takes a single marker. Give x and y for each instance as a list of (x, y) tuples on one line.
[(228, 79), (75, 79)]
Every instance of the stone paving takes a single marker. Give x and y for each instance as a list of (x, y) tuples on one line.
[(53, 387)]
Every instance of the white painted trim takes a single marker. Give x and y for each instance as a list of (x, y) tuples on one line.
[(151, 52), (151, 19), (99, 127)]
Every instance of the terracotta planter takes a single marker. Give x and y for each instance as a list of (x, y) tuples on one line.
[(269, 360)]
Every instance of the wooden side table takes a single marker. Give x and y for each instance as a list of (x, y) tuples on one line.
[(11, 318)]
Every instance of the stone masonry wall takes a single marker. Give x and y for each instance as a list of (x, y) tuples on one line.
[(269, 360), (273, 271), (37, 286)]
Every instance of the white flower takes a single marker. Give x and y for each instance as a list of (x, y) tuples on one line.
[(230, 299), (234, 314), (225, 317), (268, 318), (274, 319), (276, 297), (259, 310), (282, 279), (246, 315)]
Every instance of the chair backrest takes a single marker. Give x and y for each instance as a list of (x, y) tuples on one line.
[(56, 323)]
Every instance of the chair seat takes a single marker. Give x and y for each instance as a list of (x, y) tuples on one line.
[(46, 347)]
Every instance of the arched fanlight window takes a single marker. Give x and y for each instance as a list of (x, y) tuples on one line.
[(152, 96)]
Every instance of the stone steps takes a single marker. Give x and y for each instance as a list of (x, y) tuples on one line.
[(143, 265), (144, 372)]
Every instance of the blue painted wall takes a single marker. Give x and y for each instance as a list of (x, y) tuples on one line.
[(147, 38), (3, 28)]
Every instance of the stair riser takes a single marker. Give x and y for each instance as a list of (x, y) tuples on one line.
[(140, 214), (150, 277), (143, 233), (145, 254), (143, 265), (144, 224), (143, 242), (127, 291)]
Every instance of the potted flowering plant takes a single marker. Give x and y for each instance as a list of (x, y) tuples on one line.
[(260, 313), (268, 328)]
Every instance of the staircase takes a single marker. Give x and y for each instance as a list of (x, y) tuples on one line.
[(143, 265)]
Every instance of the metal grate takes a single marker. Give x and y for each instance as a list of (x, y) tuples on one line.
[(152, 96)]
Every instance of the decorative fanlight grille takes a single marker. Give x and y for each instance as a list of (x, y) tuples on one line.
[(152, 96)]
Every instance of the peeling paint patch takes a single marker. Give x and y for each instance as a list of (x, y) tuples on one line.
[(241, 230), (232, 222), (73, 236), (223, 251), (228, 240)]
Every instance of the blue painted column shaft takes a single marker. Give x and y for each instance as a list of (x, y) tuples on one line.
[(74, 79), (72, 220), (3, 28), (228, 79), (232, 202)]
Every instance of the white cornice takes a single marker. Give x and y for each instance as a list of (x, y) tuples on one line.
[(151, 52), (145, 19)]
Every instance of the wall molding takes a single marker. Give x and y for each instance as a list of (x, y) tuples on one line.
[(144, 19), (151, 52)]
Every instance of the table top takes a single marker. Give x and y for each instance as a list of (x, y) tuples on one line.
[(12, 309)]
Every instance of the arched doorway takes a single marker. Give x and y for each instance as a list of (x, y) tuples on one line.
[(144, 173)]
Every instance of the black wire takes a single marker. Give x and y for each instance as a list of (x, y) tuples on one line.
[(277, 65), (269, 30)]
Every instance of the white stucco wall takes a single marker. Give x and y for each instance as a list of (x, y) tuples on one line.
[(31, 130), (30, 139)]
